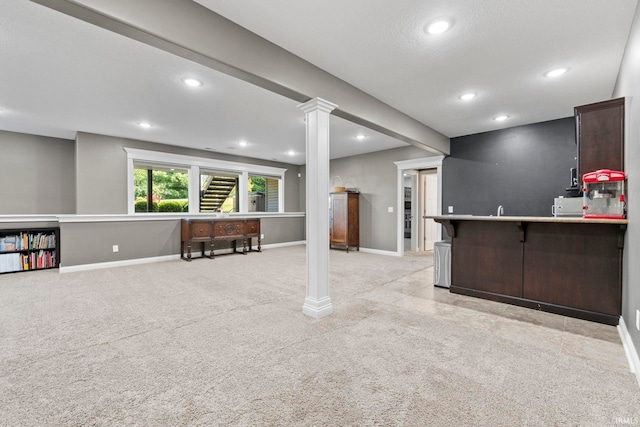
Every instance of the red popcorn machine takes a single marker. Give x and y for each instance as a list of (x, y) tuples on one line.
[(603, 194)]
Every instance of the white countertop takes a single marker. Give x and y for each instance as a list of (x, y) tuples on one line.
[(577, 220)]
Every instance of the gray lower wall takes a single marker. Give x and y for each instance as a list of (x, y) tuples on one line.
[(102, 172), (628, 86), (28, 225), (521, 168), (84, 243), (375, 176), (36, 174)]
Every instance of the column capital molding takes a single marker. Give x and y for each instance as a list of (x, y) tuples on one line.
[(317, 104)]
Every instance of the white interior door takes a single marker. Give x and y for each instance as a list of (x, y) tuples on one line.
[(430, 207)]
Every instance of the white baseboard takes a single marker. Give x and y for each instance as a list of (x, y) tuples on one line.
[(629, 349), (282, 245), (379, 252), (123, 263)]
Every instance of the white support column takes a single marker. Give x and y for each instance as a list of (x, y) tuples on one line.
[(317, 302)]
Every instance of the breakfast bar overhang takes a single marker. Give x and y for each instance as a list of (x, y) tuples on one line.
[(567, 266)]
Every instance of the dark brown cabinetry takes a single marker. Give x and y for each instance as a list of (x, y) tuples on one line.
[(344, 222), (210, 231), (600, 136), (567, 266)]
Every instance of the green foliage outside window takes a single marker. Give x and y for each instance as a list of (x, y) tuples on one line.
[(257, 184), (166, 184)]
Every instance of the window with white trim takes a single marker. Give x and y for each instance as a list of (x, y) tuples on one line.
[(264, 193), (219, 192), (160, 188), (234, 186)]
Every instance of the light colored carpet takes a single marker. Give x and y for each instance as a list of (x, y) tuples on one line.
[(224, 343)]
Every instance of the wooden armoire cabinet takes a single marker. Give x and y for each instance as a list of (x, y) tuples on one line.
[(600, 136), (344, 221)]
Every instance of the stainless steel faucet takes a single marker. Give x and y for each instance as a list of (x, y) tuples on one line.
[(500, 210)]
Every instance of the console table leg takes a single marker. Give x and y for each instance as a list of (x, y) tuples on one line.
[(259, 242), (211, 249), (189, 251), (244, 246)]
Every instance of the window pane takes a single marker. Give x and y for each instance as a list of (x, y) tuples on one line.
[(169, 189), (218, 192), (263, 194)]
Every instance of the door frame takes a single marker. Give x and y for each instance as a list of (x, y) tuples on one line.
[(434, 162)]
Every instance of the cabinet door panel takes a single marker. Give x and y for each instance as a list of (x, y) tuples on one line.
[(339, 219), (600, 133)]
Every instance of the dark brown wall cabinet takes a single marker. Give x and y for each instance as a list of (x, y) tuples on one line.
[(600, 136), (344, 222)]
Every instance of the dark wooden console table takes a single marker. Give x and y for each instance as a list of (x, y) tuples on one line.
[(210, 231)]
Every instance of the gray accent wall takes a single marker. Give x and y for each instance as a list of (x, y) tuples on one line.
[(36, 174), (521, 168), (629, 87), (102, 172), (375, 176)]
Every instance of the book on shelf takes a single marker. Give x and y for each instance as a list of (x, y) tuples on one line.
[(10, 262), (8, 244)]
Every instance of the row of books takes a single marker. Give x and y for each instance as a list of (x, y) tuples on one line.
[(24, 241), (30, 261)]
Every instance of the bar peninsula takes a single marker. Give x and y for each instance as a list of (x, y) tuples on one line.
[(568, 266)]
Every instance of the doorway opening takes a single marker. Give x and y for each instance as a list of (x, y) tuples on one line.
[(419, 194)]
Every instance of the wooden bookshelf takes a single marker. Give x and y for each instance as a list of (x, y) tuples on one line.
[(29, 249)]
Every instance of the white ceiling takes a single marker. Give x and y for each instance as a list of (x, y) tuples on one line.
[(497, 48), (59, 75)]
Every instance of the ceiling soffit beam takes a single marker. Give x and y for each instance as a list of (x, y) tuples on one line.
[(195, 33)]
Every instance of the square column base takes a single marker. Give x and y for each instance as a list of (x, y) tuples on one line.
[(317, 308)]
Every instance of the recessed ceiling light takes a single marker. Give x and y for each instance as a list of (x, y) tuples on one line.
[(468, 96), (438, 27), (500, 118), (243, 143), (360, 137), (557, 72), (145, 125), (190, 81), (291, 153)]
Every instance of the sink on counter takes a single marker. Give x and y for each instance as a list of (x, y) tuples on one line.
[(568, 266)]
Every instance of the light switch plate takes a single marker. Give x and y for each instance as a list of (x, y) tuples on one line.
[(450, 210), (390, 209)]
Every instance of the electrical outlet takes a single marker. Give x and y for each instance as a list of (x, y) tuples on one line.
[(638, 320), (450, 209), (115, 248), (261, 236)]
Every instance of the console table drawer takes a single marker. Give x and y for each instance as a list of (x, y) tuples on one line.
[(228, 229), (201, 229), (253, 227)]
